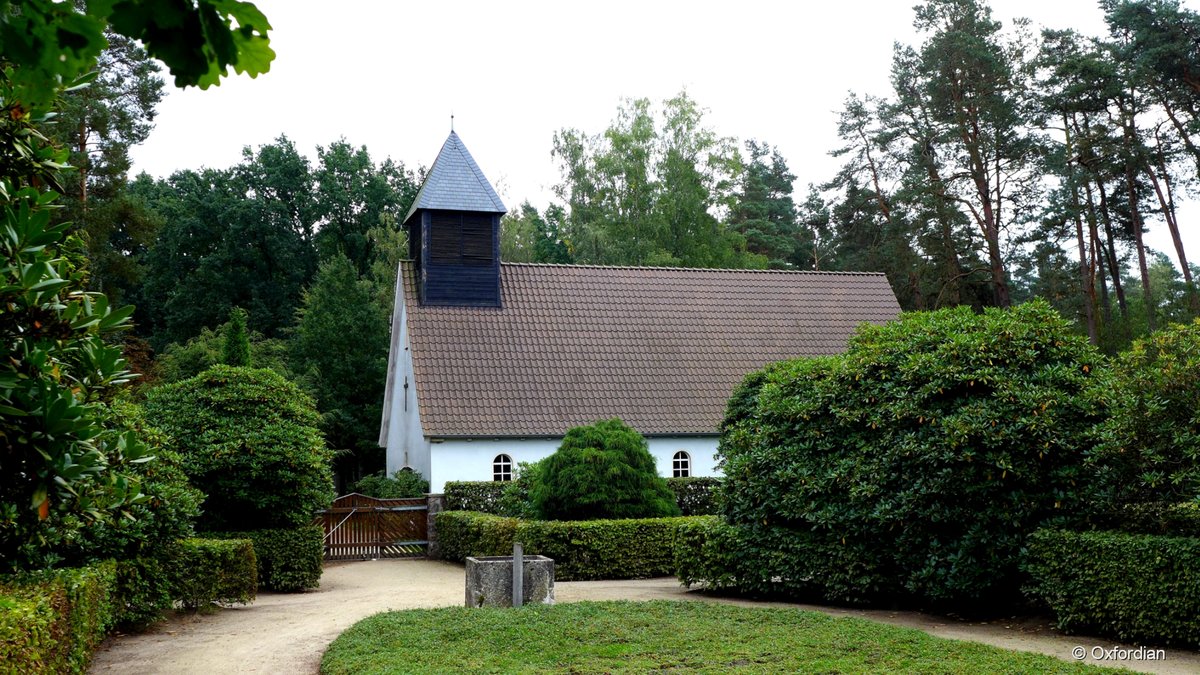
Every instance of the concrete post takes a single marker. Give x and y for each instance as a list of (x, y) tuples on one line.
[(436, 504)]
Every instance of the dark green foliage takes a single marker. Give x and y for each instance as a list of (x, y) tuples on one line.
[(51, 621), (603, 470), (226, 248), (167, 513), (1174, 520), (1128, 586), (236, 348), (51, 43), (289, 560), (249, 441), (340, 349), (763, 211), (65, 461), (1148, 447), (915, 464), (144, 589), (697, 495), (594, 549), (402, 484), (180, 361), (207, 571)]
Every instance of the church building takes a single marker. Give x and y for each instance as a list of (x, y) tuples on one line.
[(492, 362)]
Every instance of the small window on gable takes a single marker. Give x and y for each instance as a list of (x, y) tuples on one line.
[(502, 468), (681, 465)]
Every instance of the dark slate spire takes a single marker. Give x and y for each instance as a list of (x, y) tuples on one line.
[(455, 183)]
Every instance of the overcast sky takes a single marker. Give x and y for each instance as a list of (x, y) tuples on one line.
[(388, 75)]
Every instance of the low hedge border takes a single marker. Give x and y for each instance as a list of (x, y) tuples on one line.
[(207, 571), (51, 621), (289, 559), (582, 550), (696, 496), (1128, 586)]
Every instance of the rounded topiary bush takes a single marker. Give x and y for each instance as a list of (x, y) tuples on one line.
[(603, 470), (250, 442), (1148, 448), (915, 464)]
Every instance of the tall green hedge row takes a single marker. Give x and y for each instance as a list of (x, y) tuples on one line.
[(586, 549), (288, 560), (1131, 586), (51, 621)]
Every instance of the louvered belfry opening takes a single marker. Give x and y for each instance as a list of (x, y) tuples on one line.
[(454, 232)]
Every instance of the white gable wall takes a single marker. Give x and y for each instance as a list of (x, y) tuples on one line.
[(471, 459), (400, 431)]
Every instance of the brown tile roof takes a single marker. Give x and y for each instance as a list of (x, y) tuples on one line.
[(660, 348)]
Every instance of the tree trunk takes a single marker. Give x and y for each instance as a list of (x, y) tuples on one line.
[(1135, 215), (1110, 251), (1086, 285), (1168, 208)]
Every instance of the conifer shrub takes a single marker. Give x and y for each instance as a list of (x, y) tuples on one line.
[(602, 470), (250, 442), (914, 465)]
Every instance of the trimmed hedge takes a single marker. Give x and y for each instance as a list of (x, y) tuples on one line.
[(582, 550), (51, 621), (474, 495), (708, 554), (1129, 586), (289, 560), (696, 495), (462, 534), (206, 571)]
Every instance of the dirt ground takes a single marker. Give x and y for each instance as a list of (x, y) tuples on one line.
[(287, 633)]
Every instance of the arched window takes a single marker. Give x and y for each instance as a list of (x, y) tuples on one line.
[(681, 465), (502, 467)]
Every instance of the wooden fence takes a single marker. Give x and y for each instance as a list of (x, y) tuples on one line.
[(358, 527)]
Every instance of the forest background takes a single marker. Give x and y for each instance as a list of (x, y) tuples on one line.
[(1004, 164)]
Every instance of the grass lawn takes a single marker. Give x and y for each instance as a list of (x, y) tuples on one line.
[(643, 636)]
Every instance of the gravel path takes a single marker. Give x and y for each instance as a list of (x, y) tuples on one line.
[(287, 633)]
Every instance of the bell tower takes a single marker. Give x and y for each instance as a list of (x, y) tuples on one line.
[(453, 231)]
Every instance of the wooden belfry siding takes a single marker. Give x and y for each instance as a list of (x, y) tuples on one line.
[(469, 279)]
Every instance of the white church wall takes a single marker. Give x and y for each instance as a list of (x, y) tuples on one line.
[(472, 459), (401, 426)]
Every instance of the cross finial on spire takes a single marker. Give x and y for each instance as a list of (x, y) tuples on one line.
[(451, 121)]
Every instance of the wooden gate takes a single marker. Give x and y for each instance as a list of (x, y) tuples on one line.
[(358, 527)]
